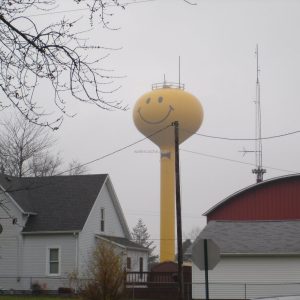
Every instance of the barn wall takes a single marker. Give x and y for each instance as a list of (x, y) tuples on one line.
[(249, 277), (275, 200)]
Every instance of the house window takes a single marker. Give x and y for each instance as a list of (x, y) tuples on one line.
[(102, 219), (128, 263), (54, 261), (141, 264)]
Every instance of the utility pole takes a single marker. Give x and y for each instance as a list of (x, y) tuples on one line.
[(178, 214)]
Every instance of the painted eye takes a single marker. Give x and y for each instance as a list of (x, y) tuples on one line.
[(148, 100), (160, 99)]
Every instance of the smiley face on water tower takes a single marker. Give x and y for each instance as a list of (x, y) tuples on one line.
[(161, 107)]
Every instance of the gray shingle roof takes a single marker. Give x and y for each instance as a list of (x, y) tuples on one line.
[(124, 242), (61, 203), (255, 238)]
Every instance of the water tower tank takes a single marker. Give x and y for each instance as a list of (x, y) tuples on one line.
[(154, 111)]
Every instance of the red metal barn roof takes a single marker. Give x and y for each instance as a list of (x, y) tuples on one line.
[(274, 199)]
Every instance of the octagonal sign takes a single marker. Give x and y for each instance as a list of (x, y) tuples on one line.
[(213, 254)]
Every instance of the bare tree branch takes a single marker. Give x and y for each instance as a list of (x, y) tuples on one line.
[(55, 54), (44, 164), (25, 150), (23, 146), (76, 168)]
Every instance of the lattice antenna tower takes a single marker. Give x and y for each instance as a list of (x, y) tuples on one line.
[(259, 170)]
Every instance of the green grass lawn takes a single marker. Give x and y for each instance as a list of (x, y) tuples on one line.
[(39, 297), (45, 297), (32, 297)]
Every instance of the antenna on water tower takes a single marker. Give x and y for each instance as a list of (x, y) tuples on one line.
[(259, 171)]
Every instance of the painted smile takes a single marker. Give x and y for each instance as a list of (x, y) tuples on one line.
[(159, 121)]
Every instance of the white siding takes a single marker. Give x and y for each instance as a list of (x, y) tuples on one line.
[(36, 258), (113, 226), (10, 242), (249, 277), (135, 260)]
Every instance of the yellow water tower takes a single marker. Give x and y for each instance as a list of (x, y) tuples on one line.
[(155, 111)]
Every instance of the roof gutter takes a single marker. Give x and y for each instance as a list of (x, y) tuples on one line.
[(110, 241), (120, 245), (260, 254), (30, 213), (138, 249), (50, 232)]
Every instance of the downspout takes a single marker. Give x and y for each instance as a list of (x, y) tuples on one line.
[(76, 235), (18, 238), (20, 241)]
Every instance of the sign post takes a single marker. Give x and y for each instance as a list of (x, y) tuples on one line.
[(205, 255), (206, 269)]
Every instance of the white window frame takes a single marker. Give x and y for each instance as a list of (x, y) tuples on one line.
[(102, 219), (48, 261)]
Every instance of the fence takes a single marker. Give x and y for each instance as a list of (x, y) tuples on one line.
[(140, 278), (245, 290), (163, 285), (159, 285), (155, 285)]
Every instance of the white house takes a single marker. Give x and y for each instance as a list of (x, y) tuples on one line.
[(51, 225)]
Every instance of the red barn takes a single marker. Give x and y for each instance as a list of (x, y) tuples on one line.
[(258, 232), (274, 199)]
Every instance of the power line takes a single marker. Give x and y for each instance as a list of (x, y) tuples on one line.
[(237, 161), (87, 163), (223, 158), (243, 139), (185, 150), (157, 214), (141, 140), (114, 152)]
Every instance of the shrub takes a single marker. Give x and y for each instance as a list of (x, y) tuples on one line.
[(106, 277), (36, 288)]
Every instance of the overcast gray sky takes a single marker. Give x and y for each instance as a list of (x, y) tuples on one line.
[(216, 40)]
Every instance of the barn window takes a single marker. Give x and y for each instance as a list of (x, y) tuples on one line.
[(54, 261), (102, 220)]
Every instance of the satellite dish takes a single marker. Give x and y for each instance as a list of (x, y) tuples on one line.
[(1, 228)]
